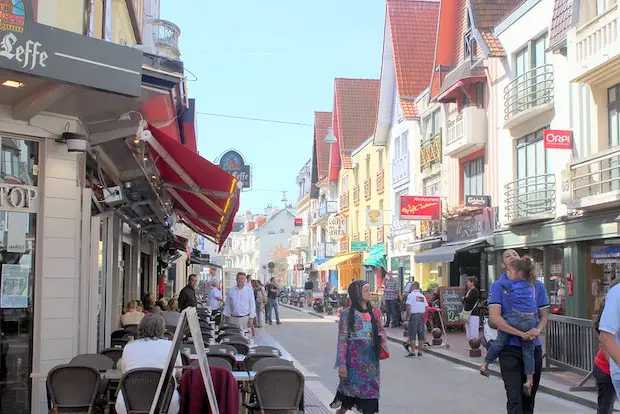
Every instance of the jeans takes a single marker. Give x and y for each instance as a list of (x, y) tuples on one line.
[(272, 304), (391, 309), (606, 392), (523, 322), (511, 365)]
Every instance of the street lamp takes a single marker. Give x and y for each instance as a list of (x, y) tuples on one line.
[(330, 138)]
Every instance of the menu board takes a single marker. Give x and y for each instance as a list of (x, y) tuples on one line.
[(452, 304)]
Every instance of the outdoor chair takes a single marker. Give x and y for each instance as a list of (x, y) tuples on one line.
[(100, 362), (225, 354), (222, 349), (218, 319), (139, 387), (73, 388), (171, 328), (271, 362), (266, 349), (229, 326), (252, 358), (113, 353), (169, 336), (220, 361), (131, 328), (278, 389), (242, 347), (233, 338)]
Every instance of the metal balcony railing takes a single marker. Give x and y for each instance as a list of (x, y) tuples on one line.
[(380, 182), (532, 89), (344, 201), (595, 175), (367, 189), (326, 250), (166, 34), (328, 207), (530, 198), (400, 169), (455, 129), (356, 195), (431, 151)]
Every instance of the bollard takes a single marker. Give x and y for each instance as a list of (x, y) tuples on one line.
[(475, 351), (437, 333)]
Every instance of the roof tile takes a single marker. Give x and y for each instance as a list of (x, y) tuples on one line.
[(563, 18), (356, 106), (322, 121), (487, 13), (345, 158), (495, 47), (413, 29)]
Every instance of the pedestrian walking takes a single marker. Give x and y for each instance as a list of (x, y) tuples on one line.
[(260, 300), (609, 336), (471, 306), (416, 309), (511, 357), (309, 287), (272, 301), (361, 343), (390, 292), (240, 307)]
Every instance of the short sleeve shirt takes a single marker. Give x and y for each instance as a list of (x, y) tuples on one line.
[(610, 322), (499, 296), (417, 301)]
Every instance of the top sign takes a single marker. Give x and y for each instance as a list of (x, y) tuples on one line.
[(420, 208), (233, 163), (337, 226), (557, 139)]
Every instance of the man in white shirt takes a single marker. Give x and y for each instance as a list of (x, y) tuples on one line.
[(215, 295), (416, 308), (240, 308)]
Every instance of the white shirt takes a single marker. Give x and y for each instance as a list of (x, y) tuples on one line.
[(214, 293), (240, 302), (417, 301), (147, 353)]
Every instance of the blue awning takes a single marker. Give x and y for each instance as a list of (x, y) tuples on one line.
[(609, 254)]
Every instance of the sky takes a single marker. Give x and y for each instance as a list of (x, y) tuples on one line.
[(271, 59)]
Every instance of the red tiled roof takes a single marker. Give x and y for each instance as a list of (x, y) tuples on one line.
[(345, 159), (322, 121), (495, 47), (413, 29), (356, 102), (487, 13)]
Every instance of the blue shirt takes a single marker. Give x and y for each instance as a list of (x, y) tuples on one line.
[(500, 294), (610, 322), (521, 293)]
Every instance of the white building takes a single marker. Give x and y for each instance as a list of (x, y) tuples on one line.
[(298, 259)]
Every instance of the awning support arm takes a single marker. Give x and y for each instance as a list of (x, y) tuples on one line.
[(186, 206), (216, 194)]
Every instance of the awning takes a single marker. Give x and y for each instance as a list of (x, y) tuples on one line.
[(445, 253), (461, 76), (609, 254), (334, 261), (180, 243), (205, 196), (378, 260)]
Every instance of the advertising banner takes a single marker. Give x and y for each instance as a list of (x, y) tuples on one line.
[(420, 207)]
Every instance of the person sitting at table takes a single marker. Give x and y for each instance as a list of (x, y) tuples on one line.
[(149, 304), (150, 350), (172, 315), (132, 315)]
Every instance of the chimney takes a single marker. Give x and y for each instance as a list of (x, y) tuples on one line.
[(269, 211)]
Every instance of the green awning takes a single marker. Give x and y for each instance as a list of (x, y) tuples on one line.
[(376, 261)]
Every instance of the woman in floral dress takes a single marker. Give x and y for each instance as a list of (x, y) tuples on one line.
[(360, 339)]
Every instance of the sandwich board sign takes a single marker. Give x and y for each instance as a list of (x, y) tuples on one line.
[(189, 318)]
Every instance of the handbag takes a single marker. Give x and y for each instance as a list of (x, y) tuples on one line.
[(465, 315), (385, 354)]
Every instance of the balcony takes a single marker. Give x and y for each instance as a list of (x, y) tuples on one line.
[(400, 170), (530, 199), (594, 49), (380, 235), (467, 133), (300, 242), (344, 246), (594, 182), (528, 96), (328, 207), (367, 236), (356, 195), (367, 189), (430, 151), (166, 38), (380, 182), (325, 250), (344, 201)]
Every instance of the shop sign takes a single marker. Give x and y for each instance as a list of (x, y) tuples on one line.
[(557, 139), (400, 227), (36, 49), (337, 226), (359, 246), (233, 163), (21, 198), (478, 201), (377, 249), (374, 218), (420, 208), (463, 228)]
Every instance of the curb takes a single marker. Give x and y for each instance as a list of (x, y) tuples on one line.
[(492, 370)]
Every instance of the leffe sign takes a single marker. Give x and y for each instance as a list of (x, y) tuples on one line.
[(233, 163)]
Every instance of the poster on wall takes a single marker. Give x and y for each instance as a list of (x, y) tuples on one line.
[(14, 287), (16, 238)]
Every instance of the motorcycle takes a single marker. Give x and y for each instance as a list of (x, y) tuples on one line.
[(283, 296), (332, 302)]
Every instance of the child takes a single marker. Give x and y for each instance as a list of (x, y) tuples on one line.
[(523, 316)]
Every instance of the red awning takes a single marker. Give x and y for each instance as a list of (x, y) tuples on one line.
[(452, 92), (205, 196)]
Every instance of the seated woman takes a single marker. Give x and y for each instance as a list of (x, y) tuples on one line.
[(132, 315), (149, 304), (150, 350), (172, 315)]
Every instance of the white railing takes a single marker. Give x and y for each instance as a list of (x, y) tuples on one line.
[(455, 129), (400, 169), (530, 90), (166, 34), (597, 35), (530, 198), (596, 175)]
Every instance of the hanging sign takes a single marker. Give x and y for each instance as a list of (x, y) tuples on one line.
[(420, 208), (337, 226), (478, 201), (233, 163), (557, 139), (374, 218)]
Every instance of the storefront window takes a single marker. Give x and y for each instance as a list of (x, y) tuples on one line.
[(17, 277), (557, 288)]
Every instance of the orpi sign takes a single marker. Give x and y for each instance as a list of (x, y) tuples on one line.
[(557, 139), (337, 226)]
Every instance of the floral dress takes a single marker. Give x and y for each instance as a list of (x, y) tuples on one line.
[(355, 350)]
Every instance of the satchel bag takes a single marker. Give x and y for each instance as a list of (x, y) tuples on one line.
[(465, 315)]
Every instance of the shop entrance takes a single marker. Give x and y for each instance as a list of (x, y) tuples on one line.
[(469, 263)]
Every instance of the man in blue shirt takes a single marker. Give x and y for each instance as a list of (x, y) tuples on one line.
[(511, 357)]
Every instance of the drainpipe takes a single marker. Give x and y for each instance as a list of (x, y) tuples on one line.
[(89, 21), (106, 29)]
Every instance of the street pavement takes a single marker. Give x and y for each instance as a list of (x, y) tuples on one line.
[(408, 385)]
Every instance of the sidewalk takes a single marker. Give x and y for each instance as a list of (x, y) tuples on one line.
[(554, 382)]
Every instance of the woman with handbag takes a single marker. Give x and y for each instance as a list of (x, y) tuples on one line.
[(471, 309), (361, 345)]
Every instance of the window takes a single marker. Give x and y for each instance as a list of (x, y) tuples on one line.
[(473, 177), (613, 109), (345, 183), (367, 159), (431, 185), (397, 202), (531, 155), (480, 95), (379, 160), (431, 125), (397, 148), (7, 162), (404, 143), (356, 174)]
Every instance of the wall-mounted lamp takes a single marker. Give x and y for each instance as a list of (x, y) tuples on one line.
[(75, 142)]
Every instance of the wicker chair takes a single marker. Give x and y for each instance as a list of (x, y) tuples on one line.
[(225, 354), (72, 388), (271, 362), (266, 349), (253, 358), (219, 361), (131, 328), (234, 338), (279, 388), (139, 387), (113, 353), (242, 347), (98, 361)]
